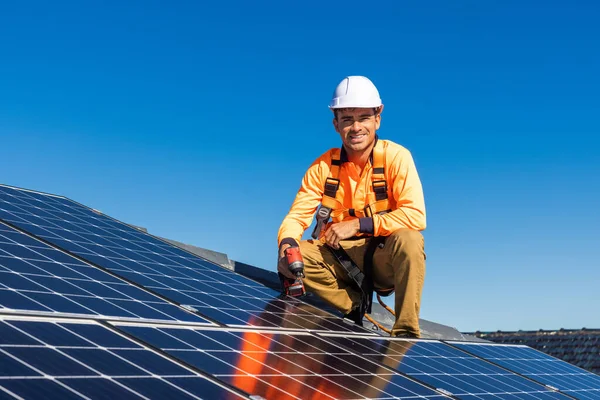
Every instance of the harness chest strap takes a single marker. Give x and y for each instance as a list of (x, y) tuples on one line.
[(380, 188)]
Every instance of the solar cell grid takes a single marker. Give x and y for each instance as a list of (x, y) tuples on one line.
[(447, 368), (539, 366), (37, 277), (215, 292), (281, 365), (73, 360)]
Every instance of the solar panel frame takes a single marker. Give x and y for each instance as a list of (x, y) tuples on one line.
[(217, 301), (46, 279), (447, 368), (70, 363), (215, 351), (541, 367)]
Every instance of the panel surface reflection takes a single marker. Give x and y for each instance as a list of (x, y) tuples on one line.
[(282, 366)]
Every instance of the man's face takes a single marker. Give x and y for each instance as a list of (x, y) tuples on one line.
[(357, 127)]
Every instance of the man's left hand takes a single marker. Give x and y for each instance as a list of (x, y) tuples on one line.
[(340, 231)]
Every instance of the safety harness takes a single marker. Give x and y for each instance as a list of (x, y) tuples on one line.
[(330, 206)]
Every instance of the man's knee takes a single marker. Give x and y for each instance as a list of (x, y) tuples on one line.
[(406, 242), (314, 256)]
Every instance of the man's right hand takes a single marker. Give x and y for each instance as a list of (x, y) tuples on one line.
[(282, 264)]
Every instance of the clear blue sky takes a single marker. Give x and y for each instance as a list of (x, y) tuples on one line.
[(198, 122)]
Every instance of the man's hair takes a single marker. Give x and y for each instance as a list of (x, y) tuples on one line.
[(376, 110)]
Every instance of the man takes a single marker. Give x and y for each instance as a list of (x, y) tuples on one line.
[(377, 209)]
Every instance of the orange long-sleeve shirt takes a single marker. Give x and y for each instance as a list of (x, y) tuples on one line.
[(405, 194)]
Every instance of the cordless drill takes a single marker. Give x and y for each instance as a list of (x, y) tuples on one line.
[(294, 287)]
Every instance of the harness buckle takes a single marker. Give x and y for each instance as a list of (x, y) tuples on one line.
[(380, 188), (331, 186), (322, 218)]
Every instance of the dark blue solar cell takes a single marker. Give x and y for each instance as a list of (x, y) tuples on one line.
[(204, 298), (153, 362), (19, 251), (220, 340), (133, 292), (9, 335), (177, 313), (141, 279), (11, 217), (11, 208), (65, 234), (9, 263), (142, 310), (16, 237), (100, 336), (155, 337), (11, 367), (154, 388), (18, 282), (96, 274), (103, 307), (98, 289), (58, 241), (16, 301), (99, 388), (228, 317), (38, 231), (58, 303), (60, 270), (38, 389), (104, 362), (206, 389), (4, 395), (400, 386), (180, 297), (55, 255), (207, 363), (48, 361), (50, 333), (61, 286)]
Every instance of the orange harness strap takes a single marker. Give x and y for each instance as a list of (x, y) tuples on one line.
[(380, 203)]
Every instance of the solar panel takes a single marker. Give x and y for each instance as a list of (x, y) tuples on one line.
[(218, 294), (539, 366), (113, 312), (446, 368), (37, 277), (61, 359), (280, 365)]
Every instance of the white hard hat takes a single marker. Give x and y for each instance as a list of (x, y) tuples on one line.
[(355, 92)]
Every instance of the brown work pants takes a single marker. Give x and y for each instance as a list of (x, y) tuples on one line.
[(399, 265)]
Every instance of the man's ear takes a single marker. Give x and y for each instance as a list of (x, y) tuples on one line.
[(378, 117), (335, 123)]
